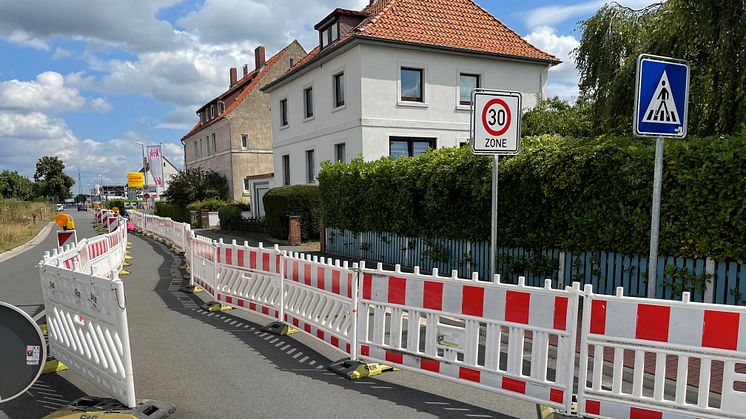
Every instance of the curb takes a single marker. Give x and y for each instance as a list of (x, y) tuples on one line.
[(28, 245)]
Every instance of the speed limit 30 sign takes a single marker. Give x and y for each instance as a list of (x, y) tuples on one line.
[(495, 122)]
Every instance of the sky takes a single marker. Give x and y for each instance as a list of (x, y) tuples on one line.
[(85, 80)]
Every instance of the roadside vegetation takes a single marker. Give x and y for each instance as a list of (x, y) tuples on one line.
[(17, 224)]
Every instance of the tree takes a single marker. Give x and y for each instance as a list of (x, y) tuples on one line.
[(15, 186), (79, 198), (195, 184), (51, 181), (555, 116)]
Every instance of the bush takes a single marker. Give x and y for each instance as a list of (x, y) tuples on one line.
[(570, 194), (228, 214), (207, 204), (115, 203), (180, 214), (300, 200)]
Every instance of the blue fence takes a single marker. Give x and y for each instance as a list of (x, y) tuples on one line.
[(726, 281)]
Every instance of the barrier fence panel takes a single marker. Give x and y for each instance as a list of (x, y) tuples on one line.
[(434, 325), (319, 299), (686, 352), (203, 263), (87, 319), (241, 282)]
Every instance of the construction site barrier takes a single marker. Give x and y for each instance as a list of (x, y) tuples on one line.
[(86, 312), (511, 339)]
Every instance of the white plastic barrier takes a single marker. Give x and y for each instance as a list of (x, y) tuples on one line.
[(87, 317), (692, 338), (202, 265)]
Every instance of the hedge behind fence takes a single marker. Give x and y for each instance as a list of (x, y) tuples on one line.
[(300, 200), (571, 194)]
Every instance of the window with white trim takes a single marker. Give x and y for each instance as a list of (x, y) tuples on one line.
[(308, 102), (412, 84), (244, 141), (340, 153), (246, 185), (310, 167), (284, 112), (339, 89)]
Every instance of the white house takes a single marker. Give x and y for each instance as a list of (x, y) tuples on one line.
[(393, 80)]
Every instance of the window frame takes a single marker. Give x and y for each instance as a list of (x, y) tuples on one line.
[(337, 153), (246, 185), (284, 120), (336, 77), (461, 74), (214, 144), (412, 99), (308, 105), (286, 169), (410, 143), (311, 166), (244, 144)]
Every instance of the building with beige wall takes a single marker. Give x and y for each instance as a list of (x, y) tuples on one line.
[(234, 134)]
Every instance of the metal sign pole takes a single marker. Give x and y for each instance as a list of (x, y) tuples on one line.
[(493, 235), (655, 219)]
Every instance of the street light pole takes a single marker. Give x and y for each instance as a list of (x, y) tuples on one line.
[(144, 171)]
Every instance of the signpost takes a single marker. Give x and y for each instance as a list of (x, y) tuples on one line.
[(22, 352), (661, 108), (495, 130)]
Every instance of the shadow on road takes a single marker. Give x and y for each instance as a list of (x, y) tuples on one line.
[(288, 354), (50, 393)]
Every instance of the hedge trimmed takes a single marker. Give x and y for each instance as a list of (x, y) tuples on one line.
[(301, 200), (180, 214), (570, 194)]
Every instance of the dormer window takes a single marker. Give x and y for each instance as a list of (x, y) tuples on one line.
[(329, 34), (221, 108)]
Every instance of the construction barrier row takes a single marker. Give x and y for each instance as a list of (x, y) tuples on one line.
[(86, 309), (634, 358)]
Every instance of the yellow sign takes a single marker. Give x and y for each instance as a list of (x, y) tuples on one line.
[(65, 221), (135, 179)]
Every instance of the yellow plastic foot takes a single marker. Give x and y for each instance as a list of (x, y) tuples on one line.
[(279, 328), (123, 272), (354, 370), (128, 257), (53, 365), (214, 306)]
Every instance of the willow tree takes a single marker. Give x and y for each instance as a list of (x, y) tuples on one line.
[(711, 35)]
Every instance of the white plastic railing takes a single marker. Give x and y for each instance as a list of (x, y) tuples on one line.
[(510, 339), (87, 314)]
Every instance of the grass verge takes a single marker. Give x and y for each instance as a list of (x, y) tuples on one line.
[(19, 222)]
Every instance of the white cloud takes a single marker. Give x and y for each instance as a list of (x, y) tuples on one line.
[(554, 14), (99, 105), (48, 92), (132, 24), (182, 118), (273, 23), (546, 39), (80, 81), (61, 53)]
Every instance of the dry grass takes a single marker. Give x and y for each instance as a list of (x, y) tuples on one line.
[(17, 224)]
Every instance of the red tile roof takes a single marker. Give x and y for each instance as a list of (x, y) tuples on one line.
[(251, 80), (458, 24)]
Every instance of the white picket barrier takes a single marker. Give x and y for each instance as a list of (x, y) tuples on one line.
[(87, 315), (514, 340), (701, 337)]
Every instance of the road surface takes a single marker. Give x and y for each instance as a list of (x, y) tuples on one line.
[(221, 365)]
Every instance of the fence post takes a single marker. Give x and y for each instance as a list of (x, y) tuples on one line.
[(358, 268), (709, 296), (561, 270), (281, 271)]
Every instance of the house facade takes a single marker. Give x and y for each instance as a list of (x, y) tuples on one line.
[(234, 133), (380, 85)]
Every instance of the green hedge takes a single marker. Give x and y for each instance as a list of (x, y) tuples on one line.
[(208, 204), (176, 213), (227, 214), (570, 194), (301, 200)]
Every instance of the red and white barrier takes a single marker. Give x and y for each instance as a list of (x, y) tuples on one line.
[(675, 339)]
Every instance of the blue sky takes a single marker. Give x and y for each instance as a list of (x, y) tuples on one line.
[(86, 80)]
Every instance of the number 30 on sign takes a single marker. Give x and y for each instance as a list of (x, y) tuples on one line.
[(495, 122)]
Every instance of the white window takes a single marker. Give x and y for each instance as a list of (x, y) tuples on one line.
[(214, 145), (467, 82), (339, 89), (246, 186), (310, 167), (340, 153), (221, 107), (201, 148), (412, 84), (244, 141), (196, 150), (308, 102), (209, 147), (284, 112)]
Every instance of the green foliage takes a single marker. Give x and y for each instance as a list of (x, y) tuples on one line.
[(115, 203), (180, 214), (300, 200), (711, 35), (570, 194), (555, 116), (228, 214), (193, 185), (50, 180), (210, 204), (681, 280), (15, 186)]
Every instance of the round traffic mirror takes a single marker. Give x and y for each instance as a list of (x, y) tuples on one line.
[(22, 352)]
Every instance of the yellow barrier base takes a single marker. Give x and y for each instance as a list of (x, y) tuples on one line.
[(191, 289), (279, 329), (123, 272), (128, 257), (53, 365), (93, 407), (214, 306), (355, 370)]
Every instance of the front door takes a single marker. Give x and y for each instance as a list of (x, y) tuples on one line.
[(259, 190)]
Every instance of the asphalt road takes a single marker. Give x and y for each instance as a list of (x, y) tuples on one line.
[(221, 365)]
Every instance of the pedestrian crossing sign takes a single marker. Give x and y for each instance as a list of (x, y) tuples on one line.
[(662, 97)]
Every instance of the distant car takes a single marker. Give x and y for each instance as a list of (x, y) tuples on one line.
[(60, 207), (82, 207)]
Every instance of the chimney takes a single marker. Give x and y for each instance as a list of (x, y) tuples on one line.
[(259, 57), (245, 70), (234, 77)]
